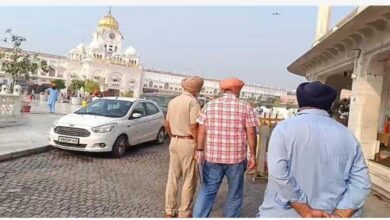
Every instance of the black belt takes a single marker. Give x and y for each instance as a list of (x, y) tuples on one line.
[(182, 137)]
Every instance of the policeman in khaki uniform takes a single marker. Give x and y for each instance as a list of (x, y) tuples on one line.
[(182, 127)]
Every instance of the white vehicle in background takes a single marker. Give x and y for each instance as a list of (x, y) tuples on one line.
[(109, 124)]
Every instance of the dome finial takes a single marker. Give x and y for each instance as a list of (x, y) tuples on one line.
[(109, 21)]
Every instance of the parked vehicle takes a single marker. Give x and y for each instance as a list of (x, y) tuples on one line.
[(109, 124), (161, 99)]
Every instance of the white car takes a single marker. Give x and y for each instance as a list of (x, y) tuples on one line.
[(109, 124)]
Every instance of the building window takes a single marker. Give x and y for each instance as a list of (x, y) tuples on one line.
[(116, 49), (155, 86), (52, 72), (160, 87), (166, 85), (171, 88), (151, 84)]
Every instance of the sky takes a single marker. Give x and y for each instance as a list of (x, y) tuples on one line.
[(211, 41)]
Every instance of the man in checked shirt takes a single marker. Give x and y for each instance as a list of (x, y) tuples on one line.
[(226, 126)]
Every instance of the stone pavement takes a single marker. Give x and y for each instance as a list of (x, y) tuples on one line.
[(32, 134), (68, 184)]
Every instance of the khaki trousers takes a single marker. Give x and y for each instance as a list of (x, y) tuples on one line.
[(181, 164)]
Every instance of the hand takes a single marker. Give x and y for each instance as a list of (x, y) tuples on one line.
[(314, 213), (199, 157), (252, 163)]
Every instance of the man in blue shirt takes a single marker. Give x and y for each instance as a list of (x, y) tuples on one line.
[(53, 95), (316, 165)]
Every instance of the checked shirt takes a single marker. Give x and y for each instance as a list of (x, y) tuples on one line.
[(225, 120)]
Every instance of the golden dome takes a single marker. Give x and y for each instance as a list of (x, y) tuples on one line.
[(109, 22)]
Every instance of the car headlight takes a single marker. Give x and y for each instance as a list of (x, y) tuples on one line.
[(54, 124), (104, 128)]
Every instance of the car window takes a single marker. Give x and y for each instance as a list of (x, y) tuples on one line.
[(113, 106), (151, 109), (139, 108), (160, 100), (106, 107)]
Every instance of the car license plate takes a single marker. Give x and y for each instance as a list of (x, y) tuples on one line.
[(68, 140)]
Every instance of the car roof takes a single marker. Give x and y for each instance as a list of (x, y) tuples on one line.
[(120, 98), (159, 94)]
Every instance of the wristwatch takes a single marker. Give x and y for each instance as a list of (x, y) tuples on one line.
[(199, 149)]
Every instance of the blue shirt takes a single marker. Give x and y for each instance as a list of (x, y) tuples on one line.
[(314, 159), (53, 94)]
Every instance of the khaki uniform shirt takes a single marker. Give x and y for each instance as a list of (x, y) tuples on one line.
[(182, 112)]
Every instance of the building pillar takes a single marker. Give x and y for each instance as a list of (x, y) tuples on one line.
[(323, 22), (365, 107), (138, 75), (385, 99)]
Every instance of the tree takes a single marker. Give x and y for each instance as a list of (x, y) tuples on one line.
[(129, 93), (340, 111), (76, 85), (91, 86), (276, 102), (18, 64), (60, 83)]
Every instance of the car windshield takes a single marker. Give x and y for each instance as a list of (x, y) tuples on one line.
[(107, 108), (161, 100)]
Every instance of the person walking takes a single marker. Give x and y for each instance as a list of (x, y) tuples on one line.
[(53, 96), (226, 126), (33, 94), (181, 126), (316, 166)]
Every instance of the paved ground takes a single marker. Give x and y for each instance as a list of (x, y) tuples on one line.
[(66, 184), (34, 130)]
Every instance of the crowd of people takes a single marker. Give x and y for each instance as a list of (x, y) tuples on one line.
[(316, 165)]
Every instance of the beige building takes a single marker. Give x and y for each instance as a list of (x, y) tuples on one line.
[(355, 55)]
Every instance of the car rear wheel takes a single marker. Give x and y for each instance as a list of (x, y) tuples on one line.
[(160, 136), (120, 145)]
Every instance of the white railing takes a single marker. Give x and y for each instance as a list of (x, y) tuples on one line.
[(10, 107)]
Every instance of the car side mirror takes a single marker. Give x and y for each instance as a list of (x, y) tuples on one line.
[(136, 115)]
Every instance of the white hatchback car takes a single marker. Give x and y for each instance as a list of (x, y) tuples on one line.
[(109, 124)]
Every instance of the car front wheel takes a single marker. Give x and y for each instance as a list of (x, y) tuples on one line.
[(119, 148), (160, 136)]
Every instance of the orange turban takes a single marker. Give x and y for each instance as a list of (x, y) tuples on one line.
[(192, 83), (233, 84)]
